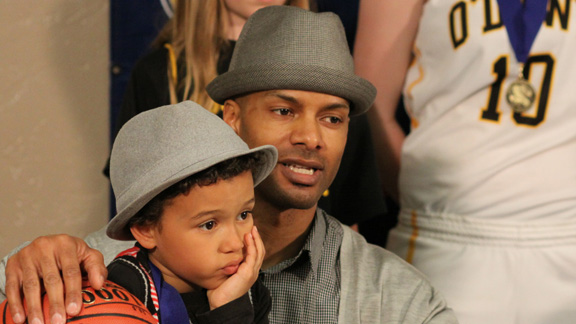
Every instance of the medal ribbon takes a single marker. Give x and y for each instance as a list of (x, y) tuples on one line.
[(522, 21), (172, 308)]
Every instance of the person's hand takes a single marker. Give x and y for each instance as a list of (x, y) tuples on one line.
[(239, 283), (48, 259)]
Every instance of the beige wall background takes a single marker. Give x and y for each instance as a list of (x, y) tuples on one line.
[(53, 118)]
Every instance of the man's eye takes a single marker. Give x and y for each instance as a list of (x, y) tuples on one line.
[(333, 120), (208, 225), (282, 111)]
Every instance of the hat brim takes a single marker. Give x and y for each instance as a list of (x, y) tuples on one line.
[(148, 187), (357, 90)]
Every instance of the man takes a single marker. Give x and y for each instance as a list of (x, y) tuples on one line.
[(291, 83)]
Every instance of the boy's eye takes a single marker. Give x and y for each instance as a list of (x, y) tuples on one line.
[(208, 225), (244, 215)]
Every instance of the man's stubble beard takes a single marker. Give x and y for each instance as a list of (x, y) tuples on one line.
[(284, 199)]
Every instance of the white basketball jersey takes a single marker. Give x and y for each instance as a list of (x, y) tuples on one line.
[(468, 153)]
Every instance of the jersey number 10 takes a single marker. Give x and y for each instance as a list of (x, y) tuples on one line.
[(536, 114)]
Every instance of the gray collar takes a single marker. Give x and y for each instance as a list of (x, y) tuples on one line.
[(312, 249), (316, 239)]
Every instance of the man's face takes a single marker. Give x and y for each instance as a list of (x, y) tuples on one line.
[(309, 130)]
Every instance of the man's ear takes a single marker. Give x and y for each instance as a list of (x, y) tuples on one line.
[(231, 114), (145, 235)]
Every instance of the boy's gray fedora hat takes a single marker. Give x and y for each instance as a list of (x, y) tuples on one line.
[(162, 146), (284, 47)]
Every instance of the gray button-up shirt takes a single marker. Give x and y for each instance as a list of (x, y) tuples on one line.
[(306, 288)]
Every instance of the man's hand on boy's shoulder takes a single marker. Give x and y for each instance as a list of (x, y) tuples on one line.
[(52, 263), (239, 283)]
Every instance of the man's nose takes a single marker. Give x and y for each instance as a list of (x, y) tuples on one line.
[(307, 132)]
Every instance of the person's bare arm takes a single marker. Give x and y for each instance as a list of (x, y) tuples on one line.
[(382, 54), (54, 263)]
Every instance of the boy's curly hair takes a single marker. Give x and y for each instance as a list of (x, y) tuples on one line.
[(151, 213)]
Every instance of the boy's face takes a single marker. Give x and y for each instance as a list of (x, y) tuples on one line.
[(199, 241), (309, 129)]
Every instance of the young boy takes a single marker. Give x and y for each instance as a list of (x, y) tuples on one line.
[(184, 185)]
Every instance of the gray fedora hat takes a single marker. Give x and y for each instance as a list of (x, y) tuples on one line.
[(284, 47), (159, 147)]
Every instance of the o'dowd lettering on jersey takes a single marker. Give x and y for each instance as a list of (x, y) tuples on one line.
[(558, 14)]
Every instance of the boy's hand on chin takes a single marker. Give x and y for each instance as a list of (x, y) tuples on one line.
[(239, 283)]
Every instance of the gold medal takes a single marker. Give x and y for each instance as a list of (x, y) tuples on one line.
[(520, 95)]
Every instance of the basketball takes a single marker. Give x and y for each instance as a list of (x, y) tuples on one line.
[(111, 304)]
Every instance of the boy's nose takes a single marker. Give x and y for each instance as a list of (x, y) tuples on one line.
[(233, 241)]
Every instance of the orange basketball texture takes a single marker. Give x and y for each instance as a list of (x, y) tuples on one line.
[(111, 304)]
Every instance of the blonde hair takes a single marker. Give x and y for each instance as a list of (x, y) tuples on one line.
[(194, 38)]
